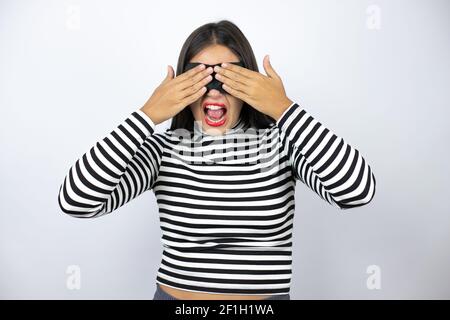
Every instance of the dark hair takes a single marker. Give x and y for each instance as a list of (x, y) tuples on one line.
[(227, 34)]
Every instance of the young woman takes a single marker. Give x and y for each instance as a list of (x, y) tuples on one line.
[(224, 174)]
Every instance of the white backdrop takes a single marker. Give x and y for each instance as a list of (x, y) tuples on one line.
[(375, 72)]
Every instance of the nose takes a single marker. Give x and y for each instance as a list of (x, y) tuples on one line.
[(213, 93)]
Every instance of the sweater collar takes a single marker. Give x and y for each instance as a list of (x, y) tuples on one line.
[(238, 127)]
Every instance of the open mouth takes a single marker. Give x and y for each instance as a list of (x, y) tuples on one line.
[(215, 114)]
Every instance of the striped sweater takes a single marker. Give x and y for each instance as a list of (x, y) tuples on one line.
[(226, 202)]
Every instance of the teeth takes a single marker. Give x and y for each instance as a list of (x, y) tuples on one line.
[(213, 107)]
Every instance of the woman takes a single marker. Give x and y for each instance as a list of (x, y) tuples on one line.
[(224, 174)]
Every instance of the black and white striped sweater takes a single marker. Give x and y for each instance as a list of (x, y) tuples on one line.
[(226, 203)]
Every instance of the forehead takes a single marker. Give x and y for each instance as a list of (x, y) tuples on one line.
[(215, 54)]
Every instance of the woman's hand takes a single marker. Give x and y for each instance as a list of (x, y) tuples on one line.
[(264, 93), (174, 94)]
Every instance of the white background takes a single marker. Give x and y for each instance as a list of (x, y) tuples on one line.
[(71, 71)]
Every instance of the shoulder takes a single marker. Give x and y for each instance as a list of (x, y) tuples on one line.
[(168, 137)]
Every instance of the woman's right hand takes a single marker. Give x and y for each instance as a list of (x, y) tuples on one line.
[(174, 94)]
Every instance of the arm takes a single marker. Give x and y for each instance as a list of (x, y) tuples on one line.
[(324, 161), (114, 171)]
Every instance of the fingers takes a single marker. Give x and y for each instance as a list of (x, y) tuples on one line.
[(235, 83), (234, 75), (190, 73), (194, 97), (192, 84), (269, 69), (199, 81), (192, 81), (236, 93), (243, 73), (169, 75), (237, 77)]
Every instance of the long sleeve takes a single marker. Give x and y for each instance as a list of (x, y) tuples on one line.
[(323, 161), (117, 169)]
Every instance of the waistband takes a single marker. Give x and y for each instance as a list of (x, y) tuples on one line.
[(160, 294)]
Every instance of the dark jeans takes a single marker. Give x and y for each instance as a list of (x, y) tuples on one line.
[(160, 294)]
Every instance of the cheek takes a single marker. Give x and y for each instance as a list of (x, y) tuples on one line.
[(236, 105), (195, 107)]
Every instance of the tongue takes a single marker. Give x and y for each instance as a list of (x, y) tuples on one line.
[(215, 114)]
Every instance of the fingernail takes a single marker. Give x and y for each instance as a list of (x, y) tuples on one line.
[(224, 64)]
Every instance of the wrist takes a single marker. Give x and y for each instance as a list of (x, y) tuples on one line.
[(281, 108), (150, 112)]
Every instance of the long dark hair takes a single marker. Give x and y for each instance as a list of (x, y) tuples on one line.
[(227, 34)]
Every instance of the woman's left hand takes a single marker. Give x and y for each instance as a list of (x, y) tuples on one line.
[(264, 93)]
